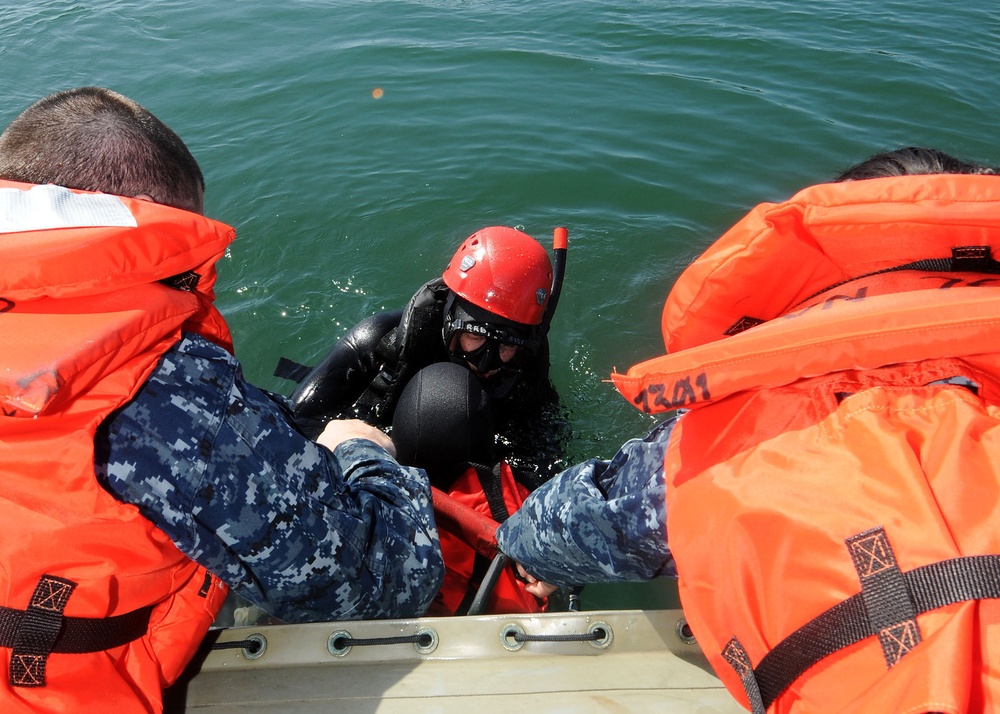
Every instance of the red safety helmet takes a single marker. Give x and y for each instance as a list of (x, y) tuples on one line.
[(504, 271)]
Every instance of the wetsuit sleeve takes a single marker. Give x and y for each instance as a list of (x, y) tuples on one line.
[(303, 532), (598, 521), (331, 388)]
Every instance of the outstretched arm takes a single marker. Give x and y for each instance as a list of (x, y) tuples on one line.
[(598, 521), (304, 532)]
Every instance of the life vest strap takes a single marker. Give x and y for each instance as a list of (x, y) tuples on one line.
[(41, 629), (964, 259), (291, 370), (885, 608), (492, 485)]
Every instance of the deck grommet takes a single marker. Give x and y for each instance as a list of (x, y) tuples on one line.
[(604, 640), (507, 637), (261, 646), (430, 646), (333, 648)]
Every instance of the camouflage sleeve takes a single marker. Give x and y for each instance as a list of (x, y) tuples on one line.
[(598, 521), (305, 533)]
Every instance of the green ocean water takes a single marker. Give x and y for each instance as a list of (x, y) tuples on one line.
[(645, 127)]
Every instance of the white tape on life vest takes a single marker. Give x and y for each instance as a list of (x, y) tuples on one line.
[(47, 207)]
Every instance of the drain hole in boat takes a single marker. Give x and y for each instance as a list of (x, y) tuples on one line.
[(684, 632)]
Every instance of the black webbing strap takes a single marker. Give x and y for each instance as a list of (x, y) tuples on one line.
[(892, 613), (186, 281), (964, 259), (40, 630), (886, 608), (739, 660), (291, 370), (373, 399), (492, 485)]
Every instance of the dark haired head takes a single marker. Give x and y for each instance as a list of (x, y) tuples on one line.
[(912, 160), (98, 140)]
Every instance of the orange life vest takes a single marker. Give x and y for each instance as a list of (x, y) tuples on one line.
[(834, 491), (463, 571), (98, 608)]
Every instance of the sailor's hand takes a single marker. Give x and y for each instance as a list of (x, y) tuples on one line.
[(534, 586), (340, 430)]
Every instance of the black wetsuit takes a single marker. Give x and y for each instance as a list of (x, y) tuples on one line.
[(365, 372)]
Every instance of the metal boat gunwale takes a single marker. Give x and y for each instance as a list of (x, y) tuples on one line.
[(638, 660)]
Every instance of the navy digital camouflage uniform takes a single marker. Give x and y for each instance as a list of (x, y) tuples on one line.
[(305, 533), (598, 521)]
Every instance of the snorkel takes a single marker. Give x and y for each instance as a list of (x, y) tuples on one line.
[(560, 245)]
